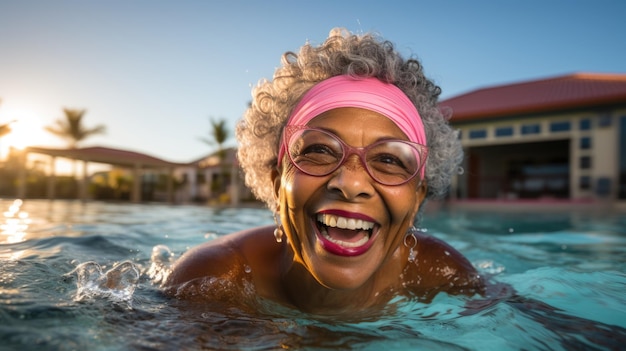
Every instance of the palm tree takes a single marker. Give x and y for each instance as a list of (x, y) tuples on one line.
[(72, 129), (5, 129), (219, 134)]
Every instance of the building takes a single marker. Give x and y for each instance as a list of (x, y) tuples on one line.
[(562, 137), (214, 179), (140, 167)]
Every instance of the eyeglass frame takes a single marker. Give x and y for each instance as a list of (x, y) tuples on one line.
[(349, 150)]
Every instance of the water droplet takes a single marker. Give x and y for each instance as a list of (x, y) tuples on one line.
[(247, 269)]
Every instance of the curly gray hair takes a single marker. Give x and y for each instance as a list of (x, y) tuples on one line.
[(364, 55)]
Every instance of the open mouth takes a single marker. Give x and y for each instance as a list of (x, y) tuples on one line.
[(344, 236)]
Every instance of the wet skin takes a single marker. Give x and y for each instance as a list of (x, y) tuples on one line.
[(321, 268)]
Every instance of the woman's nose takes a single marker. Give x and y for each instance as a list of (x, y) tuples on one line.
[(351, 180)]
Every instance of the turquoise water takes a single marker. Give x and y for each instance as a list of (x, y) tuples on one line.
[(77, 276)]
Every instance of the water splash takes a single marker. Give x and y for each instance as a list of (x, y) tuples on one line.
[(489, 267), (117, 284), (160, 263)]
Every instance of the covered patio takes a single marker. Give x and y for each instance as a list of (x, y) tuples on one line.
[(136, 162)]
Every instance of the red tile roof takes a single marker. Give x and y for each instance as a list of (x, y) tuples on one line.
[(575, 91), (111, 156)]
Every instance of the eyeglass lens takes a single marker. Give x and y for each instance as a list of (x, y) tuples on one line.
[(319, 153)]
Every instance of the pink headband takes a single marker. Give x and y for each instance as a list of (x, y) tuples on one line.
[(367, 93)]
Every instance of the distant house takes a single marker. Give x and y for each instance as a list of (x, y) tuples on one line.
[(139, 177), (140, 168), (212, 179), (561, 137)]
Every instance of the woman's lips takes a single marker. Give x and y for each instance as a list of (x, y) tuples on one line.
[(344, 236)]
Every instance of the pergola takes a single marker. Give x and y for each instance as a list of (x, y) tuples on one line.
[(135, 161)]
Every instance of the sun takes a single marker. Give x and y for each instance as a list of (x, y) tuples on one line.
[(27, 129), (18, 136)]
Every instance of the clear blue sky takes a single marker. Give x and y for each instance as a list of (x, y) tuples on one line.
[(154, 71)]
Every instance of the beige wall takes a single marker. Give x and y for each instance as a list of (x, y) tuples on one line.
[(604, 151)]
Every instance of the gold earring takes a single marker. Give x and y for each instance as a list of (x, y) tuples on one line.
[(410, 241), (278, 232)]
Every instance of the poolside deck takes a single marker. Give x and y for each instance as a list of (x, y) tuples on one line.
[(550, 205)]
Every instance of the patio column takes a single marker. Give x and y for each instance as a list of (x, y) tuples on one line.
[(83, 182), (136, 192), (52, 179), (21, 186), (454, 186), (234, 185), (170, 185)]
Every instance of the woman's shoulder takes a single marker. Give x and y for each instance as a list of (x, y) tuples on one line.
[(226, 257), (440, 267)]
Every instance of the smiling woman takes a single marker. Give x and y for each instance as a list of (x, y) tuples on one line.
[(344, 146)]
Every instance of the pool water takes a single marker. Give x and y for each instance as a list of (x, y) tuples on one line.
[(84, 276)]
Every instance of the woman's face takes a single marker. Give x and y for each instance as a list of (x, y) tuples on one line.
[(345, 225)]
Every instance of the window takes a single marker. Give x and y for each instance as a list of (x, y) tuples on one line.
[(478, 134), (531, 129), (585, 162), (585, 143), (584, 183), (605, 120), (562, 126), (504, 131), (584, 124)]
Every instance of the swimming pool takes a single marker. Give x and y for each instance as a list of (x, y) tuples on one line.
[(568, 270)]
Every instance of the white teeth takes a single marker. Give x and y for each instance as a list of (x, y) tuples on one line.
[(358, 243), (343, 222)]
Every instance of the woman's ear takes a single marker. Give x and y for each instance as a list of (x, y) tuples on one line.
[(276, 181), (422, 190)]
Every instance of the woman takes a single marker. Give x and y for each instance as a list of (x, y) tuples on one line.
[(344, 146)]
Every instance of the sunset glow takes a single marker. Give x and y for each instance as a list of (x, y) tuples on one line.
[(27, 128)]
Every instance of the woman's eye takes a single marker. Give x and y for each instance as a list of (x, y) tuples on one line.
[(389, 162), (390, 159), (318, 149)]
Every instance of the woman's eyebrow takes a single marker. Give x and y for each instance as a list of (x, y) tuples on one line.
[(380, 138)]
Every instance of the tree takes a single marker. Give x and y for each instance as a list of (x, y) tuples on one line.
[(219, 134), (5, 129), (72, 129)]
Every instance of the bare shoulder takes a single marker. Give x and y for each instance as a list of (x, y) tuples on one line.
[(226, 257), (440, 267)]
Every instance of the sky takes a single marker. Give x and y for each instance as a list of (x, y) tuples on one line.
[(155, 72)]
